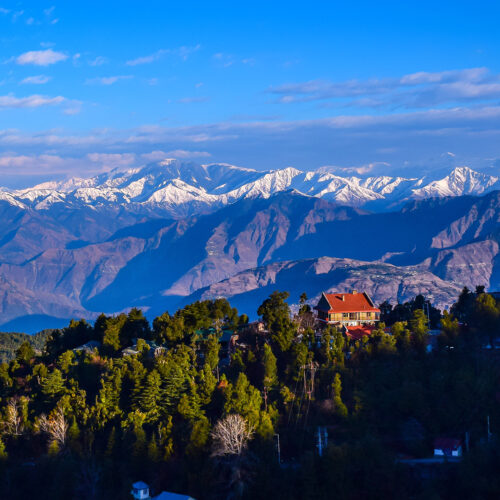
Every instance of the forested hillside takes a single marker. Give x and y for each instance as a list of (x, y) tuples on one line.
[(201, 402)]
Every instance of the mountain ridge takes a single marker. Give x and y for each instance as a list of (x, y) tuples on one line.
[(181, 189), (77, 262)]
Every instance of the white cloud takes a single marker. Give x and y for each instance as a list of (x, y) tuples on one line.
[(225, 60), (176, 153), (36, 80), (32, 101), (190, 100), (41, 57), (98, 61), (31, 162), (183, 52), (107, 80), (113, 159), (416, 90), (4, 10)]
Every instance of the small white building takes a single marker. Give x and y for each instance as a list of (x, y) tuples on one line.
[(140, 491), (447, 447)]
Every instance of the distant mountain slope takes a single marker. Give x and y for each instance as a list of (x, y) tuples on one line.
[(178, 189), (381, 281), (65, 262)]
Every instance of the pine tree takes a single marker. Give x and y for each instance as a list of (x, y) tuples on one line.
[(3, 452), (165, 438), (206, 384), (265, 429), (270, 369), (150, 397), (212, 353), (139, 447), (53, 448), (74, 437), (53, 384), (25, 352), (199, 435), (244, 399), (153, 451), (111, 444), (111, 339), (340, 407)]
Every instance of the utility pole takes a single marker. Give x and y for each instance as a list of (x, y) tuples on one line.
[(322, 440), (278, 448), (489, 433)]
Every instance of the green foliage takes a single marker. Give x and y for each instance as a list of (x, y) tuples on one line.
[(112, 341), (53, 384), (150, 417), (276, 314), (11, 342), (243, 399), (270, 369), (339, 406)]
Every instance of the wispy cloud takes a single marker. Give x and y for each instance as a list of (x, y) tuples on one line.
[(180, 154), (41, 57), (191, 100), (107, 80), (182, 52), (416, 90), (98, 61), (32, 101), (36, 80), (224, 60), (402, 140), (113, 159)]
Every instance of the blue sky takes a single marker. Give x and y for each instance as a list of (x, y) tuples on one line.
[(366, 87)]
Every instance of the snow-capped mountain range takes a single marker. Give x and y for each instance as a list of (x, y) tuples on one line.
[(181, 189)]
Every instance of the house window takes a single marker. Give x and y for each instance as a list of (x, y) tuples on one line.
[(368, 314), (353, 316), (345, 315)]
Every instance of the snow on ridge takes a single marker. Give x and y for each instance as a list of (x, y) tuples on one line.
[(187, 188)]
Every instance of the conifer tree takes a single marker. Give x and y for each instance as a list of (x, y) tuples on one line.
[(111, 444), (153, 451), (212, 353), (53, 384), (270, 369), (200, 433), (3, 452), (244, 399), (74, 437), (340, 407), (206, 384), (150, 397)]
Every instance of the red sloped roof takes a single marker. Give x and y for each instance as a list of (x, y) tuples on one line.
[(357, 332), (350, 302), (442, 443)]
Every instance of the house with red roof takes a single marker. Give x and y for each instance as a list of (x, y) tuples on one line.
[(447, 447), (347, 309)]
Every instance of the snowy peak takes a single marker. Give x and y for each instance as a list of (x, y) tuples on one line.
[(180, 189), (459, 182)]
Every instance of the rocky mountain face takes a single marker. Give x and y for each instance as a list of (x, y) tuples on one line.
[(77, 261), (174, 189), (381, 281)]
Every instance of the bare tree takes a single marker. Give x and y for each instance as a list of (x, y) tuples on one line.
[(56, 426), (13, 424), (230, 436)]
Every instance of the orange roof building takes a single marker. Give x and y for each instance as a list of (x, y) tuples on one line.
[(347, 309)]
